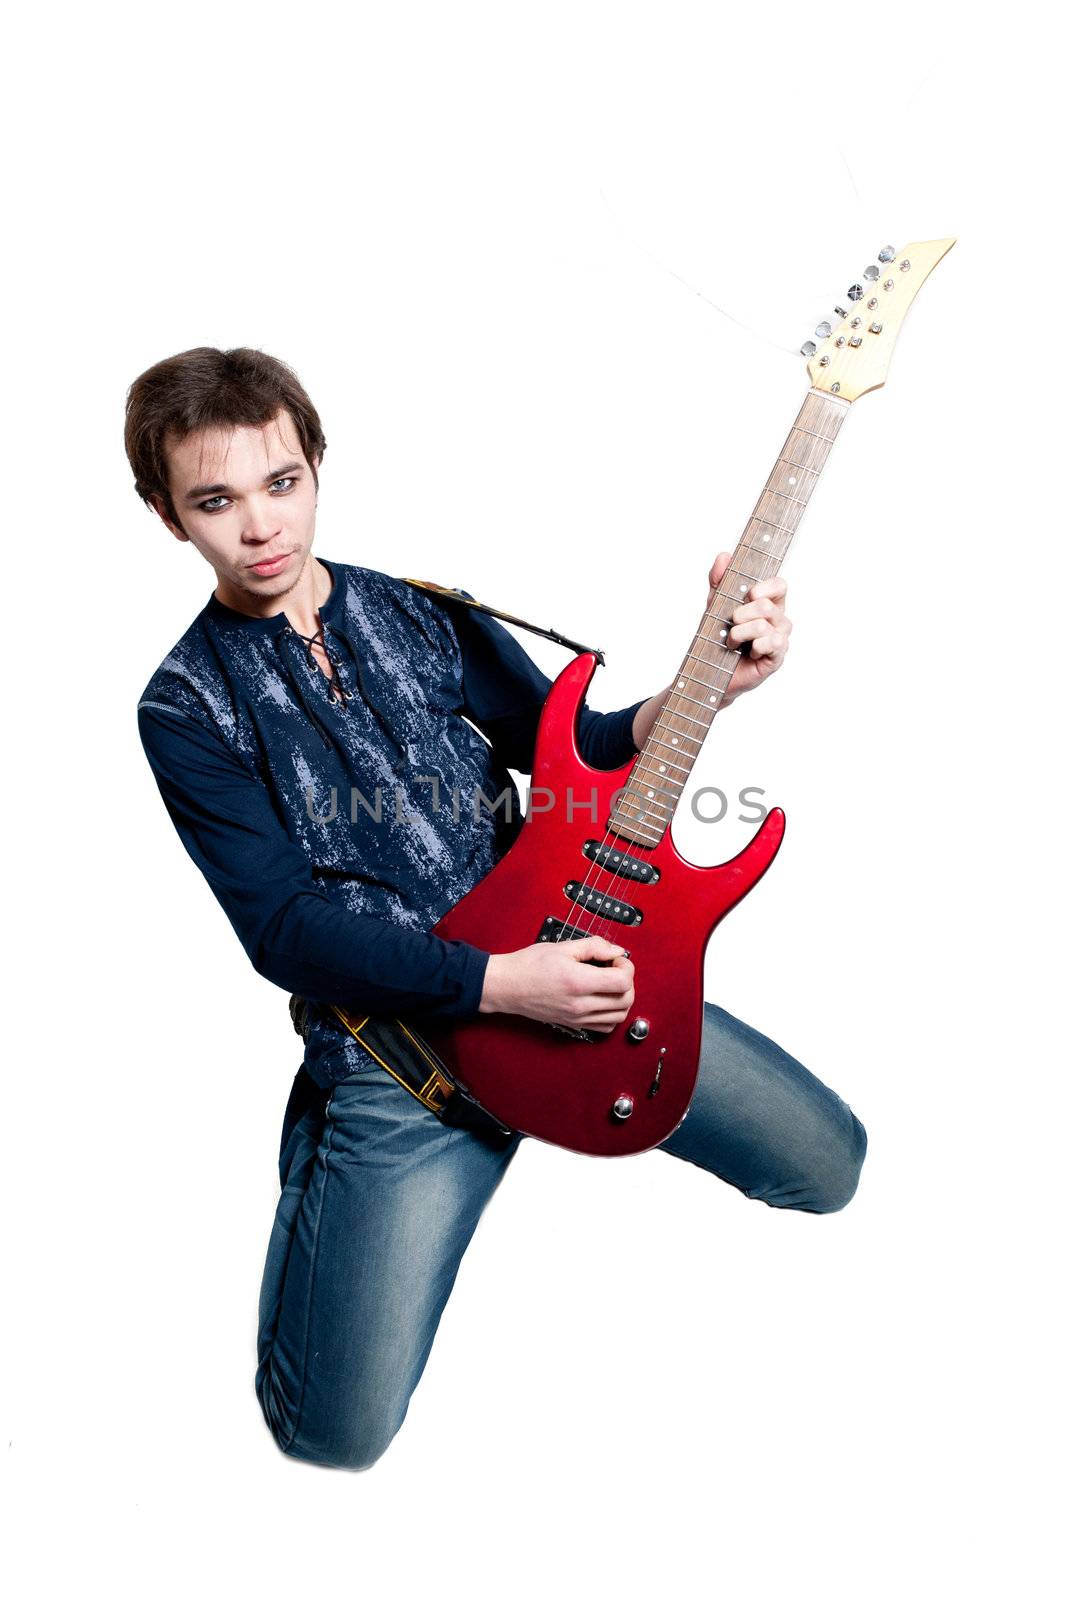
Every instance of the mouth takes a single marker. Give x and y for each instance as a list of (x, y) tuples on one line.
[(267, 568)]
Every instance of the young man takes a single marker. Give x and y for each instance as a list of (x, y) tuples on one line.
[(302, 681)]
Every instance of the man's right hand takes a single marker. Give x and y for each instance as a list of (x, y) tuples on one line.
[(561, 983)]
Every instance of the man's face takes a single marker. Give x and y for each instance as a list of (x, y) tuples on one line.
[(246, 500)]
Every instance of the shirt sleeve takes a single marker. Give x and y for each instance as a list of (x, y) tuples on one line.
[(293, 934), (504, 693)]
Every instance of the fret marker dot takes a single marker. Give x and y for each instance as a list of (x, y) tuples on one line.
[(673, 741), (743, 588), (713, 699), (680, 683), (661, 768), (724, 633), (650, 794), (765, 538), (791, 480)]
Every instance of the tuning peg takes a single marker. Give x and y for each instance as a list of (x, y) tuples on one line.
[(887, 254), (855, 292), (809, 348), (839, 313), (871, 274), (823, 330)]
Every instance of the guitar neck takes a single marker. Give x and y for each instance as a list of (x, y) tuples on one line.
[(644, 808)]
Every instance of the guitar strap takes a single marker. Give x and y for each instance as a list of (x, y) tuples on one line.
[(438, 591), (392, 1043)]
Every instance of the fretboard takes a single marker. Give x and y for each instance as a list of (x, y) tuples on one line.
[(645, 807)]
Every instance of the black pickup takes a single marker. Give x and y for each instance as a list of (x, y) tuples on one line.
[(605, 854)]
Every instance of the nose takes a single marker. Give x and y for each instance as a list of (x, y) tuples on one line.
[(260, 519)]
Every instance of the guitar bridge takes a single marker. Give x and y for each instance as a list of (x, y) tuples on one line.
[(580, 1034)]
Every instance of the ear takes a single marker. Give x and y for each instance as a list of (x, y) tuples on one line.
[(157, 507)]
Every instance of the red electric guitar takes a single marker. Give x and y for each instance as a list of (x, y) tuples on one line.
[(601, 859)]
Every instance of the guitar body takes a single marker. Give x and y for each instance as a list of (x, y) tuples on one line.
[(548, 1082)]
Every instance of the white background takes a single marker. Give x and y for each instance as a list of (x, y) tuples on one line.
[(466, 228)]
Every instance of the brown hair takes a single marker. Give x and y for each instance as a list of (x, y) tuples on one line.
[(208, 388)]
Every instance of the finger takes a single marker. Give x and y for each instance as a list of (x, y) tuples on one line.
[(755, 629), (593, 948), (770, 646), (757, 608), (604, 1020), (769, 588), (609, 982), (719, 568)]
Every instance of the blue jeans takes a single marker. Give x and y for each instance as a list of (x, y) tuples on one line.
[(379, 1200)]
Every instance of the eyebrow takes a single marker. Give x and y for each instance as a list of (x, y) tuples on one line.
[(223, 488)]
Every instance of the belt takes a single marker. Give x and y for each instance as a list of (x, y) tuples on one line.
[(412, 1061)]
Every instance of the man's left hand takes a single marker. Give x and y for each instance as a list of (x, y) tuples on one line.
[(761, 622)]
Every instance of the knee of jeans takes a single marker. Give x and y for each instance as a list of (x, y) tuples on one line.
[(355, 1454), (350, 1448), (836, 1181)]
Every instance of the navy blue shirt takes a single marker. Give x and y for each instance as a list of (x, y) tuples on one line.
[(335, 836)]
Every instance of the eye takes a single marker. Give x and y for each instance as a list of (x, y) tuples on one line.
[(211, 506)]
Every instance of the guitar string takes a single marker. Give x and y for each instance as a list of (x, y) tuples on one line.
[(632, 848)]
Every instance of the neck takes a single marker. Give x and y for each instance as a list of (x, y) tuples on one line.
[(645, 806), (301, 603)]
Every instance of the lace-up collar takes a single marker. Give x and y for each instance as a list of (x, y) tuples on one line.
[(286, 637)]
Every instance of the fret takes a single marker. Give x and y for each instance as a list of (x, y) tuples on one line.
[(726, 668), (767, 522), (826, 411), (763, 547), (662, 765), (806, 450), (691, 676), (717, 618), (722, 593), (650, 797), (653, 794), (722, 633), (777, 512), (695, 699), (673, 712), (712, 666), (679, 733), (778, 538), (644, 807), (664, 777), (659, 777), (796, 429), (800, 466), (649, 806), (711, 619), (669, 744), (784, 478)]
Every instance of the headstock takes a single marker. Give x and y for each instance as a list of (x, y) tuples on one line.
[(854, 353)]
